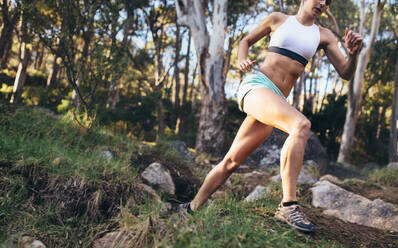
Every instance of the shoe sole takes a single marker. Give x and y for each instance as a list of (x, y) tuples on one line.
[(283, 219)]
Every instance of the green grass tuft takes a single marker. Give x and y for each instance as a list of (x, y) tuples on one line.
[(386, 177)]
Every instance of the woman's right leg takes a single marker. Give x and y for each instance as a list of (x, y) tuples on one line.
[(250, 135), (280, 114)]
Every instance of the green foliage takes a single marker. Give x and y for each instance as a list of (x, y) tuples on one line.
[(136, 112), (386, 177), (328, 123)]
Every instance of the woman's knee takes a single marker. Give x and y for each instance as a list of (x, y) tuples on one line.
[(230, 164), (301, 128)]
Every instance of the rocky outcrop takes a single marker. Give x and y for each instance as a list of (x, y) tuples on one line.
[(267, 156), (120, 239), (30, 242), (247, 182), (185, 182), (107, 154), (159, 176), (393, 166), (353, 208), (331, 179), (182, 150), (306, 175), (258, 193)]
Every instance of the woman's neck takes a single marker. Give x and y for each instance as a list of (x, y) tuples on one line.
[(305, 18)]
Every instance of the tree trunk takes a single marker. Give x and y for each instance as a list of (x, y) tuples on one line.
[(78, 98), (54, 72), (176, 90), (160, 115), (39, 56), (191, 91), (355, 88), (21, 74), (381, 121), (114, 94), (9, 23), (297, 90), (186, 72), (392, 148), (210, 53)]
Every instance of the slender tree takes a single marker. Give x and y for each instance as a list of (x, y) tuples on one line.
[(210, 53), (10, 16), (355, 85), (24, 59), (392, 152)]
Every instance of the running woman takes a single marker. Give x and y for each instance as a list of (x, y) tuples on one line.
[(262, 96)]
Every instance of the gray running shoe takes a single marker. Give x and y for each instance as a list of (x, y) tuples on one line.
[(294, 216), (185, 208)]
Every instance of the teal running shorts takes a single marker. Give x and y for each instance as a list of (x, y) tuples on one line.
[(253, 81)]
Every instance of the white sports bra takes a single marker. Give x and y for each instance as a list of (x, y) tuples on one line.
[(295, 40)]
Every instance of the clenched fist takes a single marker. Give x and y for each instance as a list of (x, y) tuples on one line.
[(353, 41), (246, 65)]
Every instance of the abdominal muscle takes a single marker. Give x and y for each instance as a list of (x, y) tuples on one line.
[(282, 71)]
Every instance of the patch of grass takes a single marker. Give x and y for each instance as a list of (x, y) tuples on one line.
[(56, 185), (32, 136), (354, 182), (233, 223), (386, 177)]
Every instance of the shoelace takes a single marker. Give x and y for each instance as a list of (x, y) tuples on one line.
[(297, 215)]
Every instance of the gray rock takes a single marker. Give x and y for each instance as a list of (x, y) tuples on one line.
[(183, 151), (158, 175), (107, 154), (271, 160), (353, 208), (305, 176), (30, 242), (267, 156), (60, 160), (258, 193), (122, 239), (331, 179), (393, 166)]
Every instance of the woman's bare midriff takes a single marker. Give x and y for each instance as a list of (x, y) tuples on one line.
[(282, 71)]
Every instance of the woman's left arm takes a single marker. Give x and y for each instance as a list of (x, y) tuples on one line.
[(353, 41)]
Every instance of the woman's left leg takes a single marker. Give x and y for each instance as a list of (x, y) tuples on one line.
[(250, 135)]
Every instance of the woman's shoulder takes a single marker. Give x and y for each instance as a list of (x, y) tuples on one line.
[(277, 18)]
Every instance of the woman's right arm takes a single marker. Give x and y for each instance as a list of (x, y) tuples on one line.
[(263, 29)]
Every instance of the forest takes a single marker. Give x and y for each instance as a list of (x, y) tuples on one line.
[(134, 67), (77, 76)]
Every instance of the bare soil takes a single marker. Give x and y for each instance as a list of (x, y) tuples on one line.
[(349, 234)]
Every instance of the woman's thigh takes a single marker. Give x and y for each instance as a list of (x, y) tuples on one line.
[(269, 108), (251, 134)]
